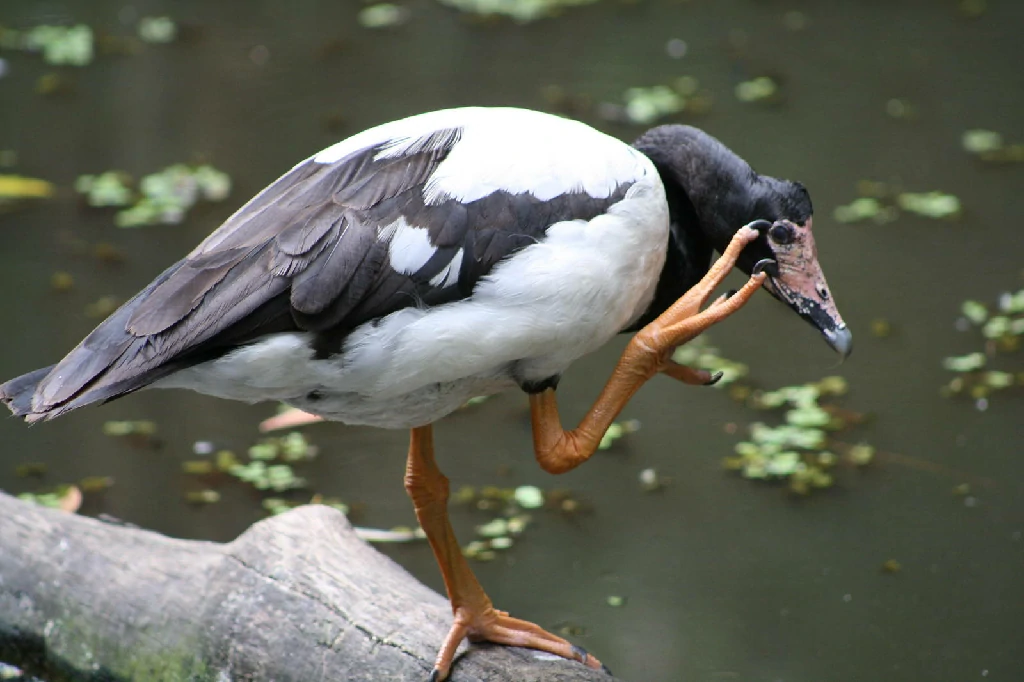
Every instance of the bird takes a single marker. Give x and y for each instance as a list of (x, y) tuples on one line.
[(390, 277)]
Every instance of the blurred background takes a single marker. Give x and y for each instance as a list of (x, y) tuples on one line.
[(895, 555)]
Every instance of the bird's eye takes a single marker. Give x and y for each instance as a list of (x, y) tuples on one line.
[(781, 233)]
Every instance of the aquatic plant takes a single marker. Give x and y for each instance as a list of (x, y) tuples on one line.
[(162, 197), (1001, 330), (989, 146), (882, 203), (58, 45)]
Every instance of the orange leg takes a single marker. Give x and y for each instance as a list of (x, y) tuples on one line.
[(648, 353), (475, 618)]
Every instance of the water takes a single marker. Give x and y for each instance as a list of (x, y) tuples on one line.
[(724, 580)]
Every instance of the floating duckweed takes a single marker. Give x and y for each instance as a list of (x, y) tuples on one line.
[(529, 497), (382, 15), (615, 601), (758, 89), (981, 141), (225, 459), (58, 45), (479, 550), (700, 353), (202, 497), (129, 428), (51, 500), (864, 208), (510, 521), (833, 385), (112, 188), (1003, 334), (891, 566), (65, 497), (522, 11), (493, 529), (964, 363), (277, 477), (646, 105), (1011, 303), (263, 451), (988, 146), (881, 204), (810, 416), (997, 380), (616, 431), (929, 204), (292, 447), (501, 543), (974, 311), (998, 327), (795, 451), (295, 447), (784, 464), (517, 524), (95, 484), (157, 30), (804, 479), (861, 454), (197, 467), (163, 197)]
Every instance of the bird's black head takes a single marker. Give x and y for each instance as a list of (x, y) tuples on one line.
[(714, 192)]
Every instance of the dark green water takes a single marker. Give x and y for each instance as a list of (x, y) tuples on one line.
[(725, 580)]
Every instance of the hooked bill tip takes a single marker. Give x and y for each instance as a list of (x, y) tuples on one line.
[(841, 340)]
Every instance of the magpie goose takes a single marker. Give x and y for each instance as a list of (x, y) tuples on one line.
[(391, 277)]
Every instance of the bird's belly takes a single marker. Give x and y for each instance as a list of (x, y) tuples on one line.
[(419, 407)]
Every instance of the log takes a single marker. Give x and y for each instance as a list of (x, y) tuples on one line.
[(297, 597)]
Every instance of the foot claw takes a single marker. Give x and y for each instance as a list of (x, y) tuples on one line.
[(606, 671), (715, 378), (435, 676), (580, 653), (759, 225), (766, 265)]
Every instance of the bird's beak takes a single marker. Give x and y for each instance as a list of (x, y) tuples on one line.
[(796, 279)]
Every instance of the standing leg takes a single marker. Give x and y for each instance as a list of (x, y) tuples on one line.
[(474, 616)]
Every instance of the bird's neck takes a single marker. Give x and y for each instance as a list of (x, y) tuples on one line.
[(708, 191), (719, 186)]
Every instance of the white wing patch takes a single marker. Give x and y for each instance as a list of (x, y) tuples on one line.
[(521, 151), (410, 247), (515, 150)]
